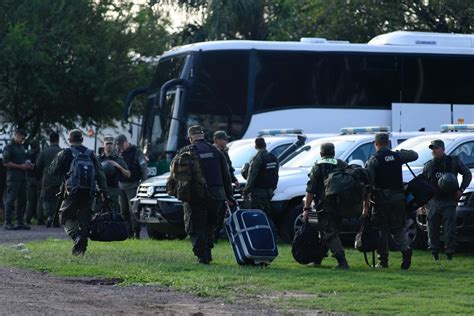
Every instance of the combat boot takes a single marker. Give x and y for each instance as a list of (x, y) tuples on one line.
[(449, 256), (80, 246), (342, 262), (383, 261), (435, 255), (8, 226), (406, 259)]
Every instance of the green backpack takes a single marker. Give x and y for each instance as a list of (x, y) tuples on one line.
[(186, 178)]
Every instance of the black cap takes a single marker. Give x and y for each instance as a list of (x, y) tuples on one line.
[(21, 131), (436, 144), (221, 135), (327, 149)]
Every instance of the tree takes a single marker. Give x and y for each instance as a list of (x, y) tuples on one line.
[(64, 62)]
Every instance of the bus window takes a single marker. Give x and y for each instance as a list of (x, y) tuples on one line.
[(218, 97), (304, 79)]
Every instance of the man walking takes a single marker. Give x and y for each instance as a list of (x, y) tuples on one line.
[(210, 187), (82, 173), (262, 179), (50, 184), (221, 139), (329, 216), (389, 214), (442, 207), (14, 159), (137, 166)]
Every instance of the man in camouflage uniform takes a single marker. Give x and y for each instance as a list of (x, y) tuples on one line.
[(14, 159), (114, 167), (262, 179), (221, 139), (200, 213), (137, 165), (389, 212), (33, 207), (329, 217), (50, 184), (75, 212), (442, 207)]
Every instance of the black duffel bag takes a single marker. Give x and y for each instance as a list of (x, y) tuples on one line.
[(108, 224), (307, 247), (367, 239), (418, 191)]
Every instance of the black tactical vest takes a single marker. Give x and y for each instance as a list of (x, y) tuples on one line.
[(129, 156), (440, 167), (388, 174), (211, 167), (267, 177)]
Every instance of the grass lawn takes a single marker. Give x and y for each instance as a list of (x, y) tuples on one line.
[(427, 288)]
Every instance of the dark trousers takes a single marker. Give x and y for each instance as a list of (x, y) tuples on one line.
[(329, 221), (389, 217), (260, 200), (200, 219), (442, 213), (75, 214), (33, 207), (126, 209), (16, 192)]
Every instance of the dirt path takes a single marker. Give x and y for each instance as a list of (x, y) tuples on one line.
[(25, 292)]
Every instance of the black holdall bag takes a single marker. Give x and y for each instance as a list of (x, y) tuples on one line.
[(307, 247), (108, 225), (418, 191), (367, 239)]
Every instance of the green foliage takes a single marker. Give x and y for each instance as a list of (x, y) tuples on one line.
[(428, 287), (64, 62)]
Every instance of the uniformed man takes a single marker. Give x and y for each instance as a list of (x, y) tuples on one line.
[(14, 159), (201, 212), (262, 179), (75, 211), (114, 167), (221, 139), (137, 166), (389, 212), (50, 184), (33, 209), (442, 207), (329, 217)]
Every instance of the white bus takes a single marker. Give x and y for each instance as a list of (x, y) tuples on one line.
[(406, 80)]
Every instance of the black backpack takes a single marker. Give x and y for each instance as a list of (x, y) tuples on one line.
[(367, 239), (418, 191), (307, 247)]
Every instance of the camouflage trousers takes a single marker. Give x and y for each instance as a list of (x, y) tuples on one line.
[(260, 199)]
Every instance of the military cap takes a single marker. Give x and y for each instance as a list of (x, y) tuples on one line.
[(382, 138), (221, 135), (328, 149), (109, 139), (436, 144), (21, 131), (195, 130), (121, 139), (75, 135)]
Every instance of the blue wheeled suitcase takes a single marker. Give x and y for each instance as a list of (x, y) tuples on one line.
[(251, 237)]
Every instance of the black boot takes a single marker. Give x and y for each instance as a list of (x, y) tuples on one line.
[(383, 261), (342, 262), (80, 246), (406, 259)]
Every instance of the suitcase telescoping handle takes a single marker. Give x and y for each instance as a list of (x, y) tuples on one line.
[(229, 211)]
